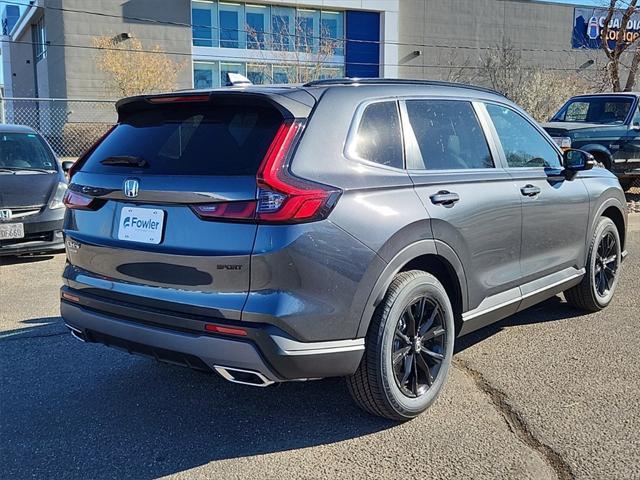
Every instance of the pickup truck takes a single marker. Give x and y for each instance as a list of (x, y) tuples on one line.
[(607, 125)]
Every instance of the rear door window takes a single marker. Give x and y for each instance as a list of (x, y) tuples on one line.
[(379, 136), (188, 140), (448, 136)]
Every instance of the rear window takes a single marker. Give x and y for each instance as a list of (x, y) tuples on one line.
[(188, 140), (25, 151)]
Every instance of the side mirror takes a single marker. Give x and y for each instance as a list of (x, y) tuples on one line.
[(66, 165), (577, 161)]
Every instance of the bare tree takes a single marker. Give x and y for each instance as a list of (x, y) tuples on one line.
[(302, 56), (538, 90), (134, 70), (625, 42)]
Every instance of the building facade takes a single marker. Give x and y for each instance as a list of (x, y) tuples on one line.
[(49, 53)]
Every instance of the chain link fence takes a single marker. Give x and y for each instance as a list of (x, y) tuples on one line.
[(69, 125)]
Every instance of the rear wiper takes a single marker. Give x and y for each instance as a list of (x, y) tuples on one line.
[(125, 160)]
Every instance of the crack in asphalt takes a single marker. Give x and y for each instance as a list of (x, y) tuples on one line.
[(515, 422)]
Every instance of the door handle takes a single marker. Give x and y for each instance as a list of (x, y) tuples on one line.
[(444, 197), (530, 190)]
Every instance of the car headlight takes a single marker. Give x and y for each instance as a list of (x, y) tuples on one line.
[(56, 199), (563, 142)]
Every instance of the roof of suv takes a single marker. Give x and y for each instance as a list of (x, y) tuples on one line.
[(4, 128), (325, 84)]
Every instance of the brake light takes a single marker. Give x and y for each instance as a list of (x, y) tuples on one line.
[(77, 201), (83, 158), (179, 99), (282, 197)]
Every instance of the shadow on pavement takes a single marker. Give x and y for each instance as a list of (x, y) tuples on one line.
[(73, 410)]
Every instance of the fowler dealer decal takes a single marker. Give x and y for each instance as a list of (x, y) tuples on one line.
[(589, 22), (141, 225)]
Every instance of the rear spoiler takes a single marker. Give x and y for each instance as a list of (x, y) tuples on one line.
[(291, 103)]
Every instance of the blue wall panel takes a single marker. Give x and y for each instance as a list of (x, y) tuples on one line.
[(362, 58)]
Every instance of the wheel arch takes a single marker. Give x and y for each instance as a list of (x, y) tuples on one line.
[(431, 256), (611, 208), (616, 215), (599, 151)]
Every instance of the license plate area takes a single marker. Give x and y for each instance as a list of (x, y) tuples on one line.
[(142, 225), (11, 231)]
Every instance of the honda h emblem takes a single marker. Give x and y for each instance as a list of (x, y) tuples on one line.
[(5, 214), (130, 188)]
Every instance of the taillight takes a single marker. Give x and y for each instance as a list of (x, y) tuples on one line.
[(282, 197), (83, 158), (78, 201)]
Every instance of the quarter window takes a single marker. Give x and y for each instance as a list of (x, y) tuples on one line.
[(523, 145), (448, 135), (379, 137)]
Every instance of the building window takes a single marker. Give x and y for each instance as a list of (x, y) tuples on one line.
[(204, 20), (256, 25), (205, 75), (259, 74), (282, 28), (332, 32), (307, 30), (281, 74), (231, 24), (40, 40)]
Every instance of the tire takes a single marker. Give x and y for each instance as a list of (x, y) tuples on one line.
[(377, 386), (589, 294)]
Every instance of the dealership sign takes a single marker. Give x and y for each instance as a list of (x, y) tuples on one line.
[(588, 24)]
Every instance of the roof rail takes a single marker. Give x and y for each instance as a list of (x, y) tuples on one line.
[(394, 81)]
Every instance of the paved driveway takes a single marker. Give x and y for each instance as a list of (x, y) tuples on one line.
[(548, 393)]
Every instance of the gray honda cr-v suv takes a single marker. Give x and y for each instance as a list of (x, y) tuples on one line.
[(340, 228)]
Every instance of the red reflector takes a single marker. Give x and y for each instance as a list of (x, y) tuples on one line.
[(71, 298), (77, 201), (180, 99), (225, 330)]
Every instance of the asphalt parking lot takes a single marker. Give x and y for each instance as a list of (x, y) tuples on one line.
[(548, 393)]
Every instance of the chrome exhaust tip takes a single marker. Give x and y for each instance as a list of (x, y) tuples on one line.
[(75, 333), (243, 377)]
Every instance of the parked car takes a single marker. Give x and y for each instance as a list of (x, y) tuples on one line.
[(607, 125), (32, 186), (341, 228)]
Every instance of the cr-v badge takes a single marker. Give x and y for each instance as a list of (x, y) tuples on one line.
[(130, 187)]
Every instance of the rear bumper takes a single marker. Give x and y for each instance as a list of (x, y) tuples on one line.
[(173, 339)]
